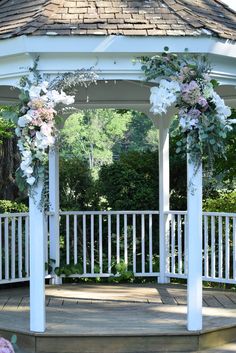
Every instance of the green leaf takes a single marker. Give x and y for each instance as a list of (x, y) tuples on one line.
[(14, 339)]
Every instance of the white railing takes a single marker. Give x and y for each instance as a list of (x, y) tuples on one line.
[(219, 246), (96, 241), (14, 247)]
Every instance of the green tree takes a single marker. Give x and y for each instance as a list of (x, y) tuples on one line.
[(91, 135), (9, 156), (77, 189)]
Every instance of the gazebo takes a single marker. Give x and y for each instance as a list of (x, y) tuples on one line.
[(108, 36)]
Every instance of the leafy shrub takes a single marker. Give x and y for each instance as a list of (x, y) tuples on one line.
[(77, 191), (225, 202), (7, 206)]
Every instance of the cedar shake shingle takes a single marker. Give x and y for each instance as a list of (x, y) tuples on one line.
[(120, 17)]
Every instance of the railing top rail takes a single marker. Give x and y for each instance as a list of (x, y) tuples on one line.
[(222, 214), (11, 215), (106, 212), (217, 214), (175, 212)]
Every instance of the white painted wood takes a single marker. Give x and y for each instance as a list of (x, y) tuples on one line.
[(125, 240), (150, 242), (54, 221), (6, 247), (75, 240), (206, 265), (27, 258), (180, 264), (1, 254), (92, 242), (173, 226), (143, 242), (118, 238), (37, 265), (234, 248), (19, 233), (109, 243), (46, 243), (227, 249), (220, 257), (164, 190), (194, 307), (213, 234), (13, 247), (185, 244), (84, 245), (67, 239), (134, 242), (100, 244)]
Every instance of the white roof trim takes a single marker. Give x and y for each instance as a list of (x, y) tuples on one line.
[(115, 44)]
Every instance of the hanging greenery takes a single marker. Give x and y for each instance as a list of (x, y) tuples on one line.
[(40, 102), (184, 81)]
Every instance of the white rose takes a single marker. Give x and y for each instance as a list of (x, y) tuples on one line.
[(30, 180), (34, 92), (24, 120)]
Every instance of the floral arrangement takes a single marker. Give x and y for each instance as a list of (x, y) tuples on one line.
[(36, 127), (6, 346), (184, 81), (40, 102)]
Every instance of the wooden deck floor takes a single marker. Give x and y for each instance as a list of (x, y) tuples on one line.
[(106, 309), (117, 310)]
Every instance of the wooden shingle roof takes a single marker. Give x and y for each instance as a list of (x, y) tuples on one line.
[(119, 17)]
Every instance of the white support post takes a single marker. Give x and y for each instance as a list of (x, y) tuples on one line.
[(54, 208), (164, 190), (37, 261), (194, 232)]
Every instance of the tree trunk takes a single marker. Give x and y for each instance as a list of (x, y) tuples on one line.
[(9, 162)]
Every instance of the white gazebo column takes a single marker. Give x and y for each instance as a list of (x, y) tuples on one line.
[(194, 231), (164, 190), (54, 208), (37, 261)]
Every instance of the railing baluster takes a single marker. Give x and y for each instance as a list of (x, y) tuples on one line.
[(227, 257), (20, 247), (118, 238), (234, 249), (1, 254), (46, 241), (213, 263), (220, 257), (75, 240), (206, 267), (109, 244), (67, 239), (179, 244), (6, 248), (143, 242), (185, 246), (27, 246), (100, 244), (150, 242), (13, 248), (134, 243), (173, 243), (92, 243), (84, 245), (125, 240)]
